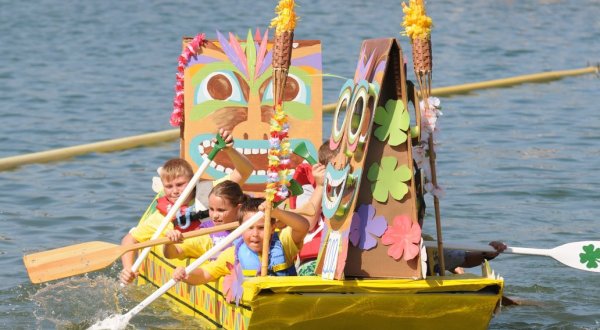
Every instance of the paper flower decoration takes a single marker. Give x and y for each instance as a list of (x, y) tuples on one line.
[(232, 283), (416, 23), (393, 121), (404, 237), (429, 115), (590, 256), (366, 227), (190, 50), (387, 179)]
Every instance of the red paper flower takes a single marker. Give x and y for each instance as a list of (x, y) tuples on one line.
[(404, 237)]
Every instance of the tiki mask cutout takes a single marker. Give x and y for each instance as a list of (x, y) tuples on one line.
[(228, 85), (356, 204)]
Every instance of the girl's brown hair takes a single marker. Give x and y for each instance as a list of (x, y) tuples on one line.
[(230, 191), (251, 205)]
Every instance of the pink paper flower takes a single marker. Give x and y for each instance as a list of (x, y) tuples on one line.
[(404, 237), (232, 283)]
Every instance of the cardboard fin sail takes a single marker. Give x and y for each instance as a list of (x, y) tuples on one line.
[(370, 199)]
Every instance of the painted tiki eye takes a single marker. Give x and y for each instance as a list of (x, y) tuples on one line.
[(339, 116), (267, 95), (358, 110), (295, 90), (220, 86)]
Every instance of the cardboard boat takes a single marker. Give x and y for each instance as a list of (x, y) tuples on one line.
[(361, 282)]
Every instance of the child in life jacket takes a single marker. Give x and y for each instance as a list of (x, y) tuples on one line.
[(224, 203), (248, 250), (311, 179), (175, 175)]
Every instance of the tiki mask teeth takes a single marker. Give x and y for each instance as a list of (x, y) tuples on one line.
[(255, 150), (340, 187)]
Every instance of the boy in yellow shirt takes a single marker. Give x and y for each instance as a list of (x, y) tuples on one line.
[(248, 249), (175, 175)]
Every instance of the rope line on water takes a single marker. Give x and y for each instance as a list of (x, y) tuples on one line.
[(173, 134)]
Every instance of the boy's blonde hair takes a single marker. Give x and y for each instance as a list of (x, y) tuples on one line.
[(176, 167)]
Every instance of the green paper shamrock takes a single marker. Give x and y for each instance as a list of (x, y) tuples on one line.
[(387, 179), (590, 256), (393, 121)]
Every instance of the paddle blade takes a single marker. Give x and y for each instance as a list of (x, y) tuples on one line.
[(70, 260), (583, 255), (302, 151)]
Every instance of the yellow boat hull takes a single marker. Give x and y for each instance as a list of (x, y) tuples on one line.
[(453, 302)]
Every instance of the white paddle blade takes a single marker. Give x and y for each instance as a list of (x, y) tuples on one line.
[(583, 255)]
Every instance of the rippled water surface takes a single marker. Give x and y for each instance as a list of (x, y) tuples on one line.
[(518, 164)]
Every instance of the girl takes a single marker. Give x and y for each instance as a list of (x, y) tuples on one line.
[(224, 202)]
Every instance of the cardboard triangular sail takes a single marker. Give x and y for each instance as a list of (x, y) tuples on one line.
[(228, 85), (370, 182)]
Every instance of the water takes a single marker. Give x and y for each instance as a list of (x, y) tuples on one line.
[(518, 164)]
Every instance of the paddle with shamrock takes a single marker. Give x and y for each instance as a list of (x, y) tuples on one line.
[(584, 255)]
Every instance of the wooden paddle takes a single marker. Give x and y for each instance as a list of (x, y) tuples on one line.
[(121, 321), (584, 255), (87, 257)]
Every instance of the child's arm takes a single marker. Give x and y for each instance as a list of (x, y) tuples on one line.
[(196, 277), (127, 276), (207, 272), (171, 250), (242, 166), (473, 259), (318, 171), (295, 221)]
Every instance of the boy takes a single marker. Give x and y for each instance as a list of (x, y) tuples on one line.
[(311, 179), (248, 250), (175, 175)]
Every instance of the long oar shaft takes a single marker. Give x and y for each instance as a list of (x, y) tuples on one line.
[(488, 248), (91, 256), (186, 235), (209, 254), (512, 81), (584, 255)]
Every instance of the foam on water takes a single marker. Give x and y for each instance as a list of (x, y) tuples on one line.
[(113, 322)]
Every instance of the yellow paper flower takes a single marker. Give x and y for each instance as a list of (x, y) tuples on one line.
[(286, 17), (416, 23)]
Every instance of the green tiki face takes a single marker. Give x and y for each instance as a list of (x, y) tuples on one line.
[(229, 85)]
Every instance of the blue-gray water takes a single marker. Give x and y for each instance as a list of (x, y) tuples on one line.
[(519, 164)]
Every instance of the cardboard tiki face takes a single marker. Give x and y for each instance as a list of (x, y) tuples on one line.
[(372, 136), (228, 85)]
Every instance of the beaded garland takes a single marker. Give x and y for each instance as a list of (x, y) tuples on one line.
[(278, 157)]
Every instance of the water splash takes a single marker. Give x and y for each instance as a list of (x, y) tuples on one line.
[(77, 302), (113, 322)]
